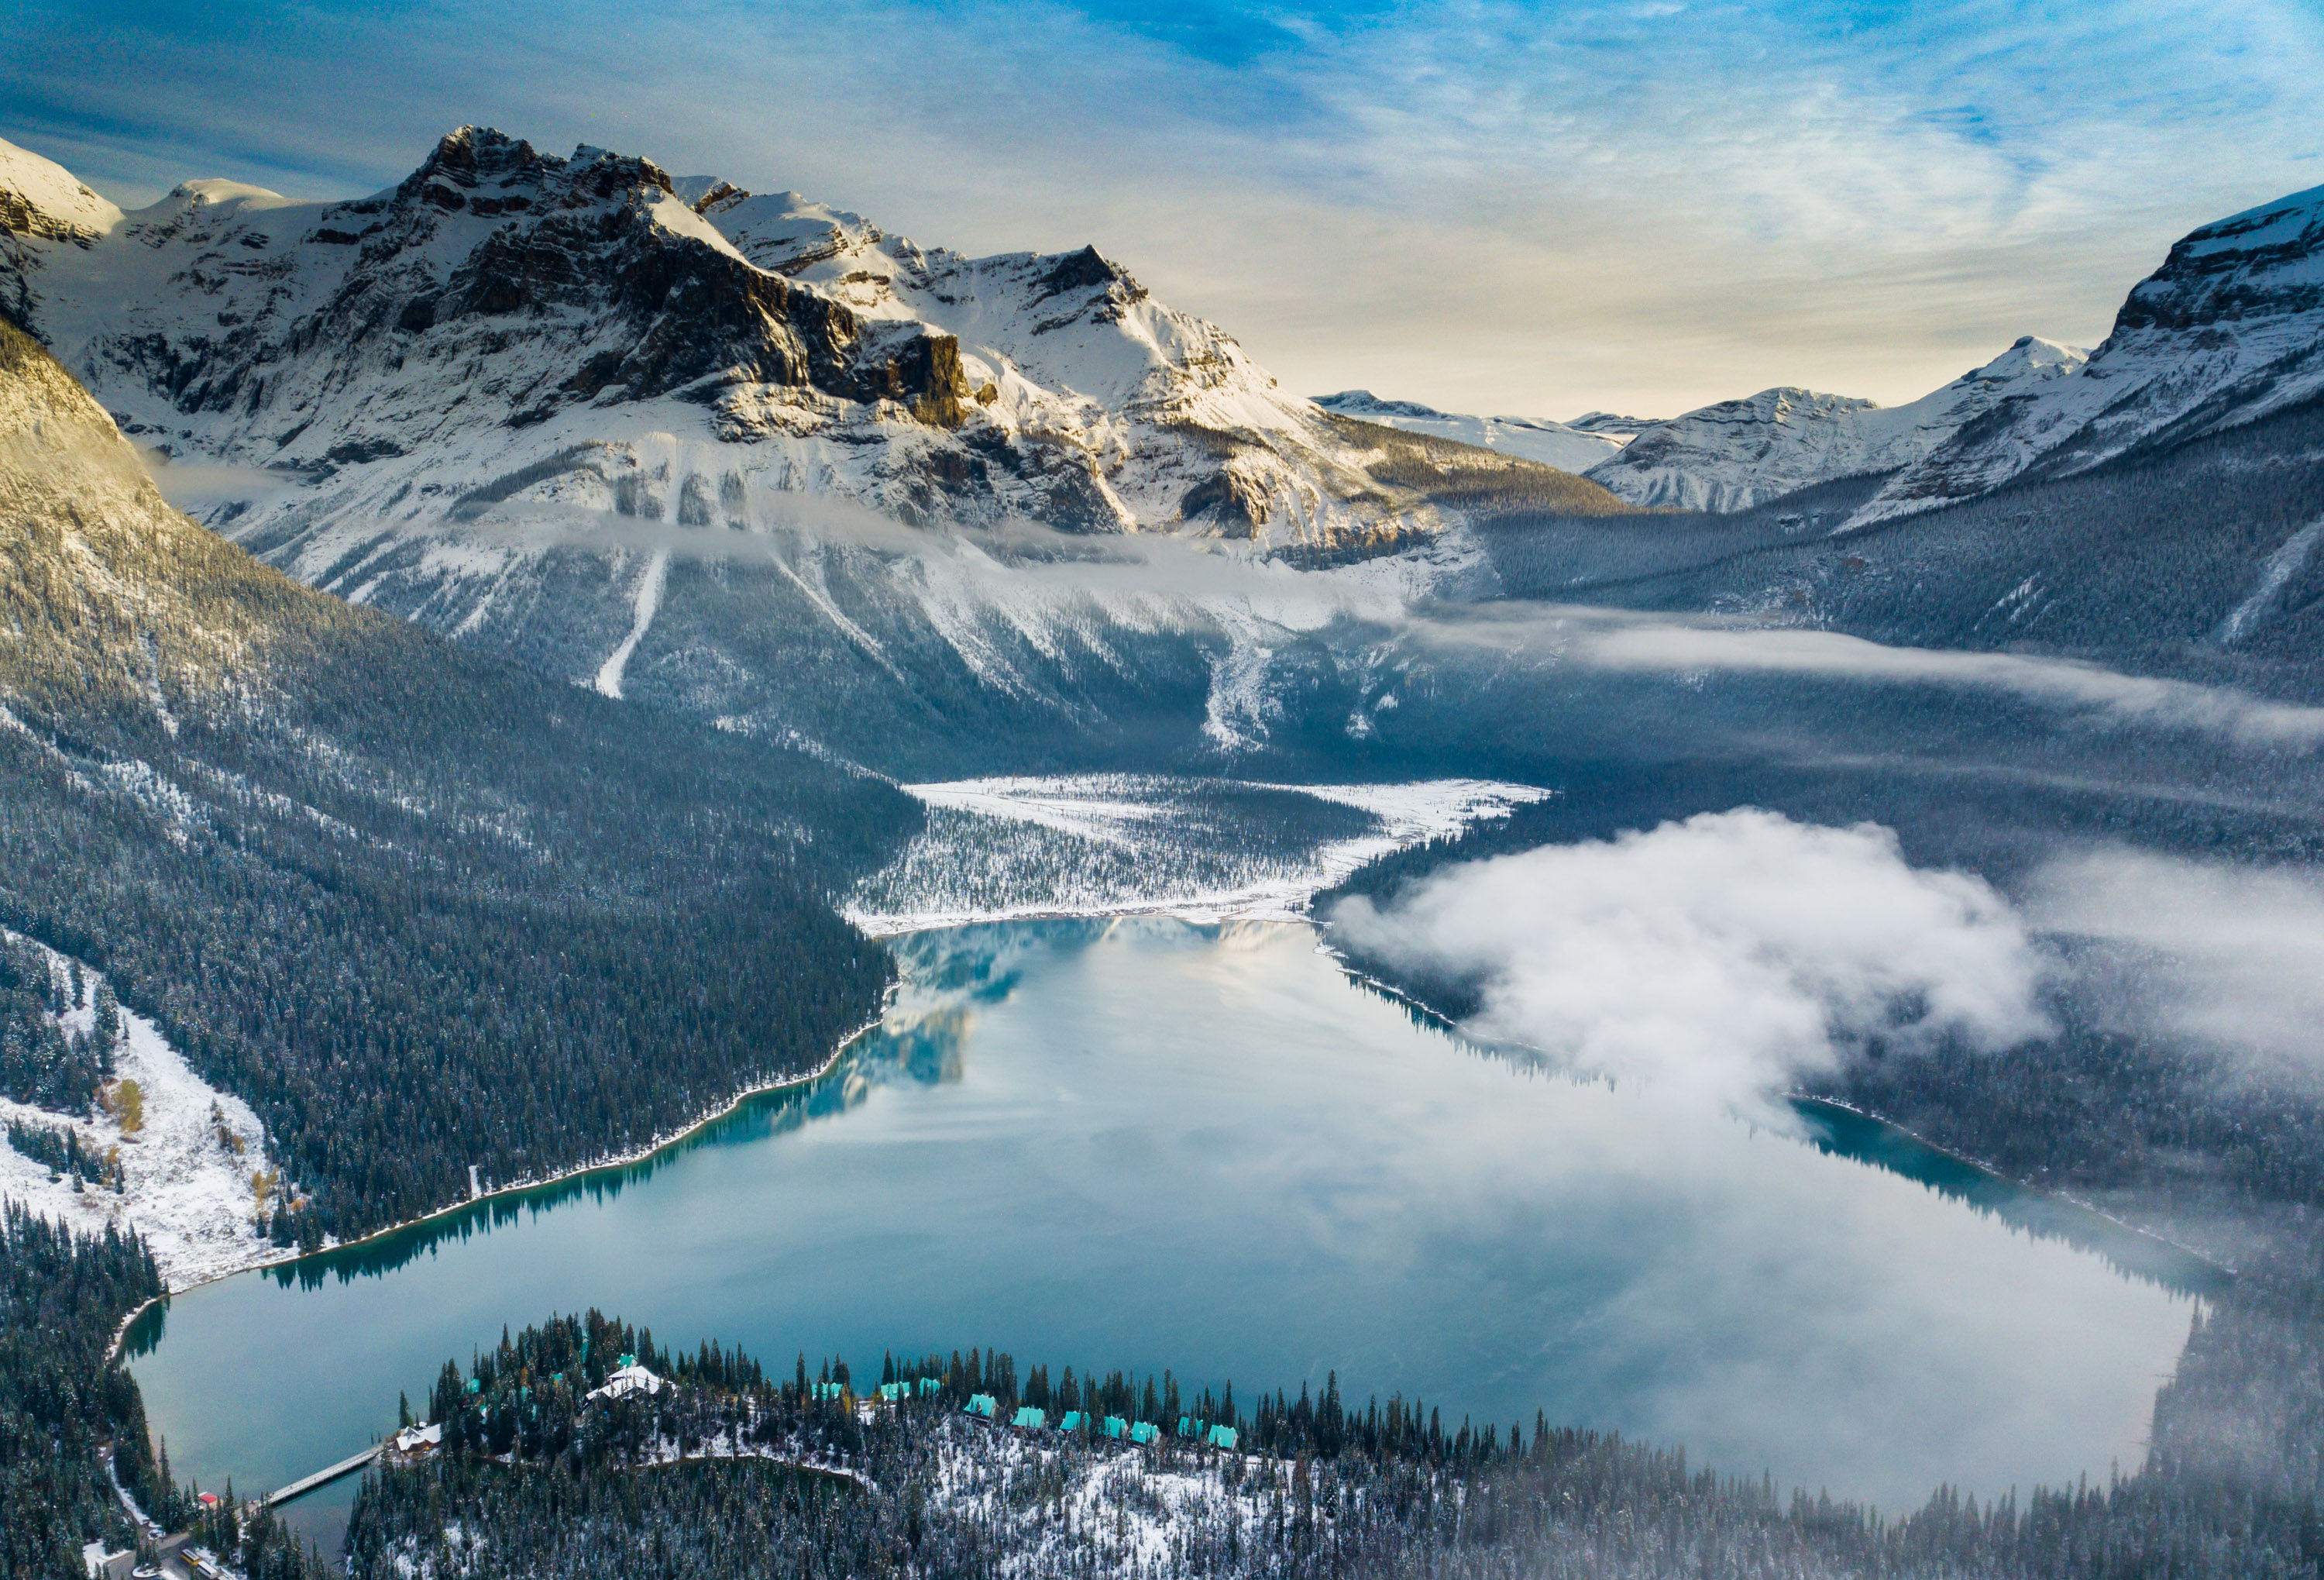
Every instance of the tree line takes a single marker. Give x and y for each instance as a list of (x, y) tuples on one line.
[(727, 1468)]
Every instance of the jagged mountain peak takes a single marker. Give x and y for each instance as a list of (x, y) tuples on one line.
[(632, 428), (41, 197), (2229, 328), (2264, 261), (501, 289), (1738, 454)]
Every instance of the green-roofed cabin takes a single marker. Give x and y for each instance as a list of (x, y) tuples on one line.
[(891, 1391), (1115, 1427), (929, 1385), (1145, 1432), (1186, 1428), (1029, 1418), (1221, 1437), (982, 1404), (1073, 1422)]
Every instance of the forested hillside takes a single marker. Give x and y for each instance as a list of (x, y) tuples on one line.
[(702, 1466), (2197, 559), (424, 910), (61, 1297)]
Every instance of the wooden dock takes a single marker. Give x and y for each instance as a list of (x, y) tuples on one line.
[(329, 1473)]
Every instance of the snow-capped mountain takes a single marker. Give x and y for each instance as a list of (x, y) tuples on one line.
[(1569, 448), (656, 435), (616, 338), (1740, 453), (2229, 328)]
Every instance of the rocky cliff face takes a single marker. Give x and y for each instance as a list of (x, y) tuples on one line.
[(656, 434), (1738, 454), (396, 357), (495, 287), (2229, 328)]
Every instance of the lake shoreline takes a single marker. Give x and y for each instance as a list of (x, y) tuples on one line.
[(1796, 1096), (660, 1144)]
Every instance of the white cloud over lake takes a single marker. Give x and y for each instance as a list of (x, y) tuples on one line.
[(1720, 957)]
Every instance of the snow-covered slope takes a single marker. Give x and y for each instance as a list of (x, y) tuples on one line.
[(187, 1172), (505, 325), (1740, 453), (41, 202), (1553, 444), (658, 435), (2229, 328)]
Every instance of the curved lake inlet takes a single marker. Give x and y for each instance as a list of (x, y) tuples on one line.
[(1150, 1144)]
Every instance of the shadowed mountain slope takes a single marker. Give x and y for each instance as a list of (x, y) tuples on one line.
[(422, 909)]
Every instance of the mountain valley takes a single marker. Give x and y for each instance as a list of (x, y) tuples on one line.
[(555, 679)]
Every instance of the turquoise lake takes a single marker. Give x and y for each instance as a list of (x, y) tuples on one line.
[(1150, 1144)]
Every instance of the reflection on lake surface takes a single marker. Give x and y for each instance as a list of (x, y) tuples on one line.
[(1149, 1144)]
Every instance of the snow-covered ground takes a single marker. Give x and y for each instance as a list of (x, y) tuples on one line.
[(1127, 1509), (184, 1186), (1002, 849)]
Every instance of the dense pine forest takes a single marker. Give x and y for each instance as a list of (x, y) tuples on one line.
[(40, 1062), (61, 1397), (711, 1468), (425, 910)]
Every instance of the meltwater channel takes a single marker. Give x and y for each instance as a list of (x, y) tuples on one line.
[(1148, 1143)]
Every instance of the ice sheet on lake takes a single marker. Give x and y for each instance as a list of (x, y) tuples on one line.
[(1124, 844)]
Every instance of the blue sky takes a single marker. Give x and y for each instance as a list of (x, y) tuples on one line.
[(1542, 207)]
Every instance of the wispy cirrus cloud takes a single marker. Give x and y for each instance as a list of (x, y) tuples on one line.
[(1490, 205)]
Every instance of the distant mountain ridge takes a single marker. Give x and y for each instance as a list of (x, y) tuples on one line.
[(1567, 447), (2230, 329), (1738, 454)]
